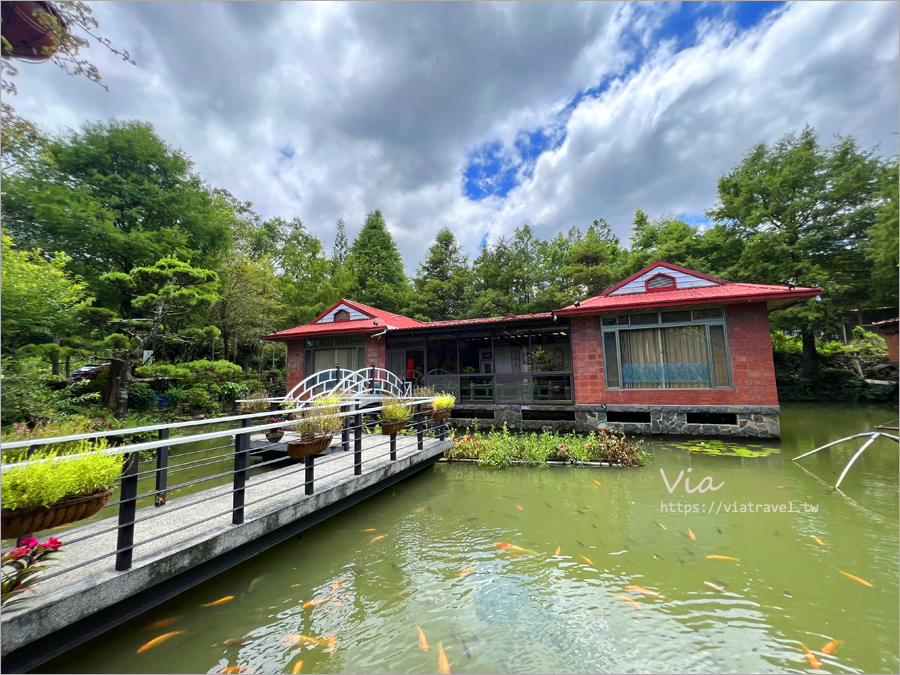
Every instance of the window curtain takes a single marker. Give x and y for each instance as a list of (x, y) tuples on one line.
[(721, 372), (685, 358), (641, 368)]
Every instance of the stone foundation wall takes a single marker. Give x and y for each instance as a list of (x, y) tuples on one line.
[(751, 421)]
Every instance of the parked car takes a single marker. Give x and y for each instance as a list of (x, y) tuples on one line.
[(89, 372)]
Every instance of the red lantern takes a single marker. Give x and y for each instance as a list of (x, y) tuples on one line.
[(30, 34)]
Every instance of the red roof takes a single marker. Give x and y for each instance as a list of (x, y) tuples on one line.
[(379, 321), (490, 319), (722, 291)]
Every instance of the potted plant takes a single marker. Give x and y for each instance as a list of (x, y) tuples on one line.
[(443, 404), (394, 415), (274, 435), (315, 425), (255, 402), (58, 490)]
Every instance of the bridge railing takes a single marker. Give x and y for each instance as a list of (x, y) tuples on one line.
[(151, 468)]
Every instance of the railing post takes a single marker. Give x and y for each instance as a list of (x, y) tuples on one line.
[(357, 443), (372, 377), (241, 472), (442, 425), (127, 510), (310, 461), (345, 432), (420, 433), (162, 469), (394, 447)]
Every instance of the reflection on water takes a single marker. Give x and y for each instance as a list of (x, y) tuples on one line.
[(518, 612)]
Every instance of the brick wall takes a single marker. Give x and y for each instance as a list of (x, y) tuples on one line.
[(752, 369), (294, 363), (891, 339), (375, 352)]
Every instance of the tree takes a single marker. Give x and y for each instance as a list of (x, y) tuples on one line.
[(305, 287), (442, 280), (491, 293), (803, 214), (376, 267), (884, 243), (39, 296), (162, 291), (594, 262), (341, 245)]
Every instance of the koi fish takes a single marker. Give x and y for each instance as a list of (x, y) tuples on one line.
[(337, 583), (831, 646), (296, 639), (297, 667), (374, 539), (220, 601), (369, 529), (662, 526), (233, 669), (332, 645), (598, 482), (692, 535), (315, 603), (162, 623), (587, 560), (519, 507), (159, 640), (716, 587), (442, 660), (722, 557), (631, 602), (467, 570), (645, 591), (862, 581), (558, 550), (819, 541), (423, 643), (813, 661), (420, 509), (511, 547), (234, 642)]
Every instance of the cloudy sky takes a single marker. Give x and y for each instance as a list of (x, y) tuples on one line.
[(479, 116)]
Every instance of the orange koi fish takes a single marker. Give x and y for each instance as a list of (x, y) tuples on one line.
[(587, 560), (692, 535), (645, 591), (598, 482), (862, 581), (512, 547), (332, 645), (315, 603), (558, 550), (631, 602), (722, 557), (233, 669), (716, 587), (423, 643), (519, 507), (831, 646), (220, 601), (337, 583), (813, 661), (662, 526), (159, 640), (374, 539), (467, 570), (162, 623), (368, 529), (297, 667), (442, 660), (234, 642), (819, 541), (420, 509), (296, 639)]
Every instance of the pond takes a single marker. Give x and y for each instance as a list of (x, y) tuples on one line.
[(423, 555)]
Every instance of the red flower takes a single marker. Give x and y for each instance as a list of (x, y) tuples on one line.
[(53, 543), (17, 553), (31, 542)]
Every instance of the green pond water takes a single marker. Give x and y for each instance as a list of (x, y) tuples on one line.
[(521, 612)]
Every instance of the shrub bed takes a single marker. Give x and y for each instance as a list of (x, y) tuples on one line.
[(500, 448)]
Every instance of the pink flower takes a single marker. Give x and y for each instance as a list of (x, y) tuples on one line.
[(53, 543), (17, 553), (31, 542)]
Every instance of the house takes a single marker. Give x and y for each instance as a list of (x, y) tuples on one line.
[(667, 350), (889, 330)]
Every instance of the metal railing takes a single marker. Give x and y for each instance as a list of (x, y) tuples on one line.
[(357, 413)]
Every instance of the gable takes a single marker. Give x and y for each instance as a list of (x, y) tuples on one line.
[(658, 275), (355, 314)]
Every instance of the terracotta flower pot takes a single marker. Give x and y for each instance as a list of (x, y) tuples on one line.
[(388, 428), (16, 522), (301, 448)]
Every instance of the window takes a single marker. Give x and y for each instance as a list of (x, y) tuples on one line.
[(341, 315), (690, 355), (660, 282)]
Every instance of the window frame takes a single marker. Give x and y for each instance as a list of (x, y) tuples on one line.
[(706, 322)]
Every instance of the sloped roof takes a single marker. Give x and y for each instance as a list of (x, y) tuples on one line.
[(491, 319), (714, 290), (377, 321)]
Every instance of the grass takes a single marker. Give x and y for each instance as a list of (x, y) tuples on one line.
[(45, 483), (499, 448)]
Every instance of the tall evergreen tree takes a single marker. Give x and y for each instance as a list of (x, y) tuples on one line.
[(594, 262), (341, 244), (442, 280), (376, 267)]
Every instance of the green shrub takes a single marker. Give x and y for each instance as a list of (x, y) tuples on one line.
[(255, 402), (141, 396), (394, 410), (197, 398), (444, 402), (176, 396), (231, 391), (43, 483)]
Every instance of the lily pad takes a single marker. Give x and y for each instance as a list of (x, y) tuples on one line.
[(724, 449)]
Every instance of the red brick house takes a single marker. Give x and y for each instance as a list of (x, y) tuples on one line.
[(889, 330), (667, 350)]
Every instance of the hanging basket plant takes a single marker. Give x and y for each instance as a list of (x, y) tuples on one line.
[(443, 405), (32, 31), (316, 424), (394, 415)]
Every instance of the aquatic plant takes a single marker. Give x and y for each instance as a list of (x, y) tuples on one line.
[(43, 483), (20, 566), (724, 448)]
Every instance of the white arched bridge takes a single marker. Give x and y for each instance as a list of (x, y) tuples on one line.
[(370, 381)]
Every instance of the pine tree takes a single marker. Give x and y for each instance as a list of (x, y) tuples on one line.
[(339, 253), (442, 280), (376, 267)]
